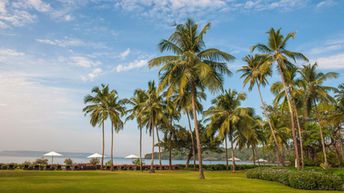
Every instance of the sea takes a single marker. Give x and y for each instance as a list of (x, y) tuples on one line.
[(22, 156)]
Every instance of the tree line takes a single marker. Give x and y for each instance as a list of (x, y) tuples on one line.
[(305, 118)]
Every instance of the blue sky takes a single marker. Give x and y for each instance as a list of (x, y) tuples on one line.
[(53, 52)]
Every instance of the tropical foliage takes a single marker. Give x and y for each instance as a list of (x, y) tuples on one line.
[(303, 125)]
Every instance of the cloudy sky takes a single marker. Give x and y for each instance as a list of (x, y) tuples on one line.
[(53, 52)]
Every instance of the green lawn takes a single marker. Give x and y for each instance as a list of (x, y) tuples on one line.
[(132, 181)]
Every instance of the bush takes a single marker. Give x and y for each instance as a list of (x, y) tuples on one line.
[(308, 180), (219, 167), (94, 161), (68, 162), (41, 161)]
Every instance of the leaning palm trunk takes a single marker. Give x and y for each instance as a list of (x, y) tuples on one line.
[(199, 150), (152, 161), (279, 157), (103, 145), (111, 147), (296, 149), (226, 149), (300, 134), (141, 148), (159, 148), (192, 141), (322, 138)]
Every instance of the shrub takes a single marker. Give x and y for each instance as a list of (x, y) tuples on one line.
[(68, 162), (4, 167), (41, 161), (218, 167), (308, 180), (94, 161)]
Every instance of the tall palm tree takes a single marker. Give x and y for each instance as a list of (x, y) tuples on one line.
[(312, 84), (297, 100), (224, 116), (255, 72), (172, 115), (183, 103), (136, 112), (153, 114), (191, 67), (116, 110), (97, 107), (276, 49)]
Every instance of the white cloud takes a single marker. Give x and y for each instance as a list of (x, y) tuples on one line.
[(331, 62), (38, 5), (3, 4), (132, 65), (174, 10), (67, 42), (325, 3), (16, 13), (84, 61), (125, 53), (92, 75), (68, 18), (4, 53)]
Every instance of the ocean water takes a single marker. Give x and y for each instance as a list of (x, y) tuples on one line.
[(117, 160)]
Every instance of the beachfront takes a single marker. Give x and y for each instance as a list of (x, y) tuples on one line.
[(171, 96)]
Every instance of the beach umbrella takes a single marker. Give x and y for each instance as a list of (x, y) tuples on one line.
[(261, 160), (131, 156), (236, 159), (52, 154), (95, 155)]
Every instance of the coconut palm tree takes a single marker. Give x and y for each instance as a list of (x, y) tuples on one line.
[(191, 67), (136, 112), (172, 115), (296, 95), (315, 92), (116, 110), (183, 103), (255, 72), (276, 50), (97, 108), (153, 114), (224, 116)]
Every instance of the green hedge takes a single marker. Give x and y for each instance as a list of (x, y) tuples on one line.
[(219, 167), (309, 180)]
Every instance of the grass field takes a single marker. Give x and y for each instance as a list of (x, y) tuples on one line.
[(131, 181)]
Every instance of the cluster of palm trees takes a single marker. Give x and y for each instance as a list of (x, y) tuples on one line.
[(304, 116)]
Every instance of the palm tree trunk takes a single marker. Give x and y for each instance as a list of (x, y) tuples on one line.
[(280, 160), (103, 145), (199, 148), (111, 146), (253, 155), (233, 153), (300, 135), (339, 146), (159, 148), (296, 149), (188, 159), (192, 140), (226, 149), (321, 136), (170, 152), (152, 161), (141, 148)]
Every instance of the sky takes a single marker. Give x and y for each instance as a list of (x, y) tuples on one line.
[(53, 52)]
